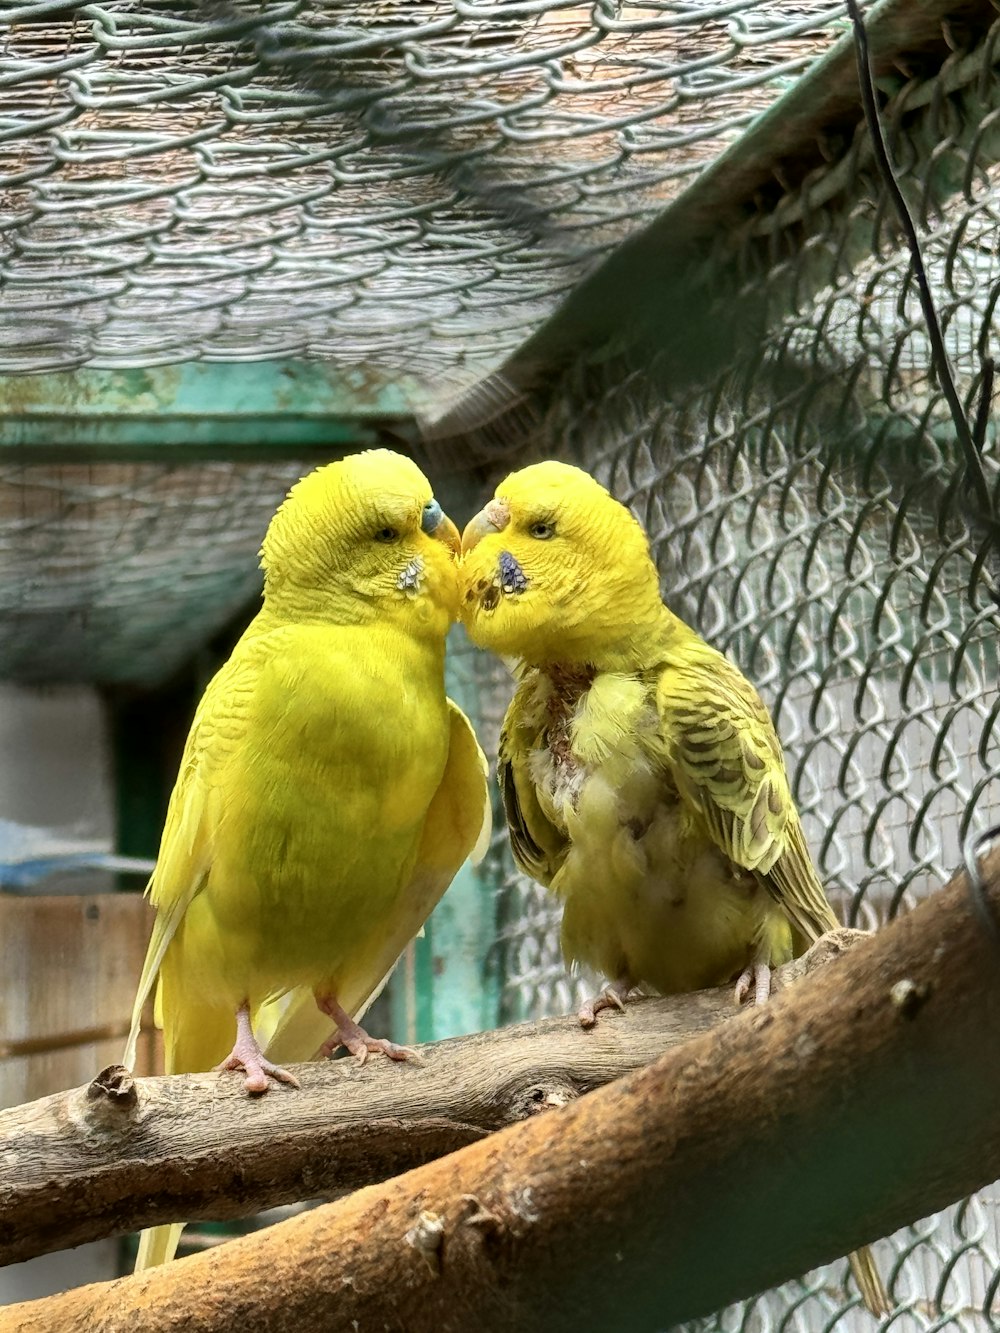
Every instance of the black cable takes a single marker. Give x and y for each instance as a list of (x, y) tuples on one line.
[(971, 441)]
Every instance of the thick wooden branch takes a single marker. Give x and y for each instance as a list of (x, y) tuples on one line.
[(120, 1154), (861, 1099)]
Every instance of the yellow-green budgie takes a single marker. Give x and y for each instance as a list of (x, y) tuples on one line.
[(328, 792), (641, 775)]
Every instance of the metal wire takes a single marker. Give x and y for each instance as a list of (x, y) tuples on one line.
[(351, 181), (970, 439), (977, 889), (415, 185), (804, 510), (120, 572)]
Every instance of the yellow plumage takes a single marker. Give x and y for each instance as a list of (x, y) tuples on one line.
[(328, 791), (642, 778)]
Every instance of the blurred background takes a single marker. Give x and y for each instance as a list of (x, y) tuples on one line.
[(236, 242)]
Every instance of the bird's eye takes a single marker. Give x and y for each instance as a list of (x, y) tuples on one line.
[(543, 531), (387, 534)]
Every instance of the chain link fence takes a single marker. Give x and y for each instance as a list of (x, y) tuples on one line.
[(413, 187), (119, 572), (383, 183), (843, 592), (808, 513)]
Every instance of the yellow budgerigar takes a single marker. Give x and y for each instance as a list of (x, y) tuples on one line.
[(328, 792), (641, 775)]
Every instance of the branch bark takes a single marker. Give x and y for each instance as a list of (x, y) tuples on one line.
[(859, 1101), (124, 1153)]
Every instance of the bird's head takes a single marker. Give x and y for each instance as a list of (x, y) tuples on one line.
[(554, 569), (361, 539)]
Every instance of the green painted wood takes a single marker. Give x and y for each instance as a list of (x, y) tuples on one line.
[(448, 984), (210, 407)]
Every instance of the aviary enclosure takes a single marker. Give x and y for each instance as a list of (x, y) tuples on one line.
[(650, 239)]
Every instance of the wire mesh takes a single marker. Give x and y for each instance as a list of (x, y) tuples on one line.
[(379, 183), (788, 545), (416, 185), (119, 572), (807, 512)]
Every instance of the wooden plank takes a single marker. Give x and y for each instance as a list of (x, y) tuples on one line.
[(859, 1100), (197, 409), (69, 966)]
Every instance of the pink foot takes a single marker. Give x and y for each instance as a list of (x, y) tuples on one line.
[(247, 1055), (613, 996), (356, 1039), (759, 976)]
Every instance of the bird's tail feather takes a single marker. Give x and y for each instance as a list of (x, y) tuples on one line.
[(158, 1245), (869, 1280), (194, 1039)]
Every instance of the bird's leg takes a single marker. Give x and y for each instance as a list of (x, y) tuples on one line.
[(248, 1056), (757, 974), (613, 996), (356, 1039)]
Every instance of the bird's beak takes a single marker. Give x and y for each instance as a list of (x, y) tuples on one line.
[(447, 532), (493, 518)]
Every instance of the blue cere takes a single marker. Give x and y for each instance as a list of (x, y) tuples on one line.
[(512, 576), (432, 516)]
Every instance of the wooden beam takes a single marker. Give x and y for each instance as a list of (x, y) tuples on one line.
[(68, 969), (860, 1100), (123, 1153), (198, 409)]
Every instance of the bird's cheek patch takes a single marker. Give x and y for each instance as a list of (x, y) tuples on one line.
[(510, 575), (409, 579), (508, 580)]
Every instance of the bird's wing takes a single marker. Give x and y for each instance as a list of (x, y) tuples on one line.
[(538, 847), (457, 826), (185, 853), (724, 756)]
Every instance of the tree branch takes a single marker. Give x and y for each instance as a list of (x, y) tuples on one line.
[(124, 1153), (860, 1100)]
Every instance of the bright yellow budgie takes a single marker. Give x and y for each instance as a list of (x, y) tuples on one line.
[(641, 774), (328, 792)]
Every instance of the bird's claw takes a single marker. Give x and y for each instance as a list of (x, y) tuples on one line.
[(259, 1071), (353, 1036), (613, 996), (757, 975), (248, 1056), (360, 1048)]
